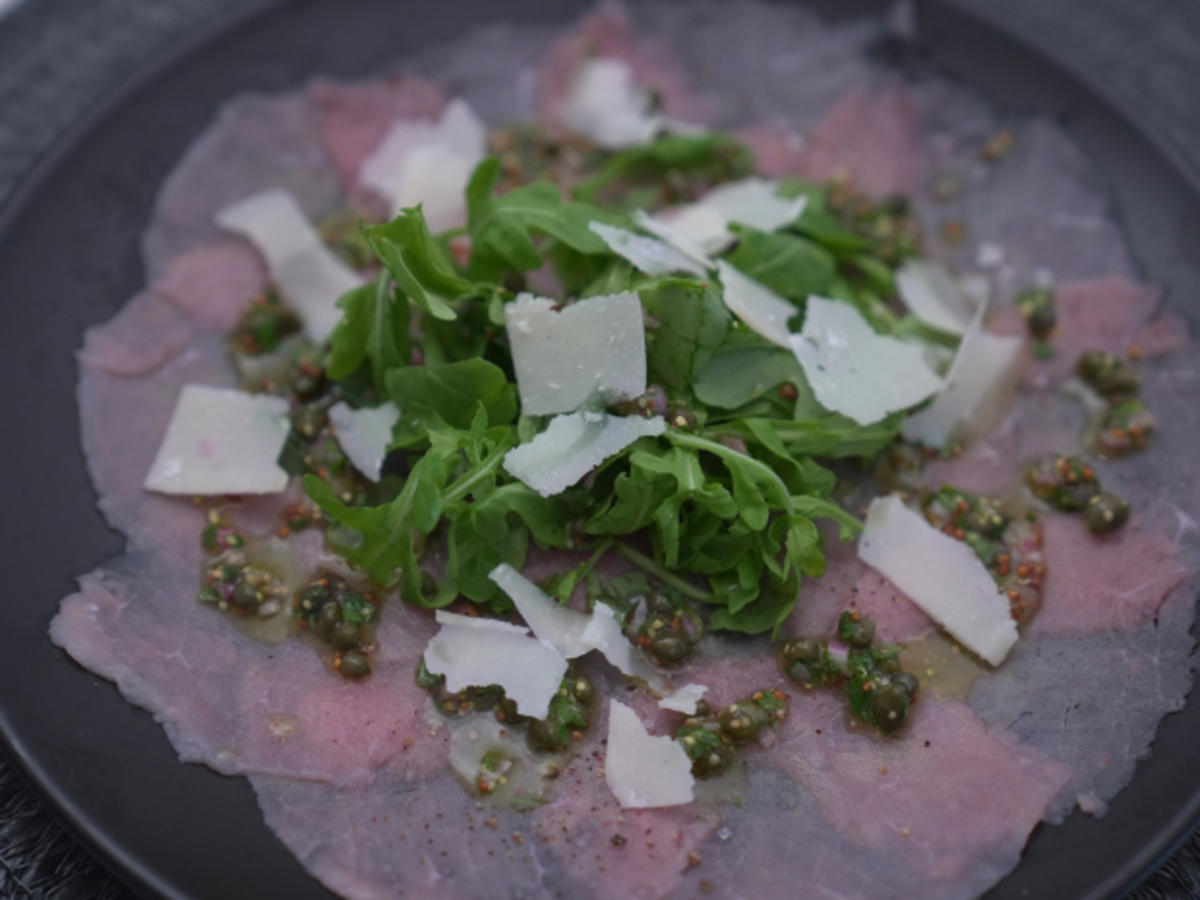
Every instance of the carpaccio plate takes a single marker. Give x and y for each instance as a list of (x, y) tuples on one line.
[(69, 257)]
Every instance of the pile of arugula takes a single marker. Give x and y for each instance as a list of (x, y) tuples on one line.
[(721, 508)]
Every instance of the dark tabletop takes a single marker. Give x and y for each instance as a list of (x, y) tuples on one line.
[(58, 56)]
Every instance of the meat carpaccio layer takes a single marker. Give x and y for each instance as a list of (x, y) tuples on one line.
[(353, 777)]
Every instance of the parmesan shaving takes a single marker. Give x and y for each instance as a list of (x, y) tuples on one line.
[(760, 308), (644, 770), (684, 699), (429, 163), (572, 445), (605, 103), (306, 272), (475, 652), (558, 625), (364, 434), (942, 576), (603, 633), (931, 294), (593, 350), (221, 441), (647, 254), (855, 371)]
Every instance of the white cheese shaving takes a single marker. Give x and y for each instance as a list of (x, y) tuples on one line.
[(364, 434), (684, 699), (647, 254), (942, 576), (429, 163), (552, 622), (701, 228), (605, 102), (306, 272), (221, 441), (931, 294), (574, 444), (603, 633), (641, 769), (591, 350), (984, 370), (473, 652), (760, 308), (855, 371)]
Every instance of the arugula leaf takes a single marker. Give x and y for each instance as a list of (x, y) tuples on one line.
[(692, 322), (374, 328), (743, 369), (768, 612), (792, 266), (501, 226), (717, 157), (405, 246), (451, 393)]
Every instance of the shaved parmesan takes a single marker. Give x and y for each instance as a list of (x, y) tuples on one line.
[(364, 434), (551, 622), (573, 445), (985, 369), (306, 272), (684, 699), (603, 633), (647, 254), (591, 350), (855, 371), (605, 102), (429, 163), (475, 652), (931, 294), (702, 228), (641, 769), (941, 575), (221, 441), (760, 308)]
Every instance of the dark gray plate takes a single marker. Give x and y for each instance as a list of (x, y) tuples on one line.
[(69, 258)]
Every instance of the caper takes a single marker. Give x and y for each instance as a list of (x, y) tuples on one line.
[(345, 635), (658, 604), (328, 618), (246, 595), (802, 649), (308, 383), (1108, 373), (1037, 306), (855, 630), (355, 664), (742, 721), (682, 418), (670, 646), (907, 681), (543, 736), (887, 662), (582, 689), (309, 419), (890, 704), (1106, 512)]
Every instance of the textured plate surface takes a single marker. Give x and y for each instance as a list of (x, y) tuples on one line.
[(69, 258)]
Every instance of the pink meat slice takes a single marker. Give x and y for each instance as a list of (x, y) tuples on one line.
[(871, 137), (608, 32), (256, 142), (354, 117), (778, 151), (138, 340), (213, 284), (1100, 583), (848, 584)]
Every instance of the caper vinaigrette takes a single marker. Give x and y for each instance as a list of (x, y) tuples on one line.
[(711, 737)]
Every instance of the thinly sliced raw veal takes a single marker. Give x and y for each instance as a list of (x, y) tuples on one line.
[(558, 625), (932, 295), (941, 575), (605, 102), (760, 308), (305, 271), (984, 372), (644, 770), (573, 445), (364, 434), (221, 441), (429, 163), (647, 254), (593, 350), (475, 652), (855, 371)]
